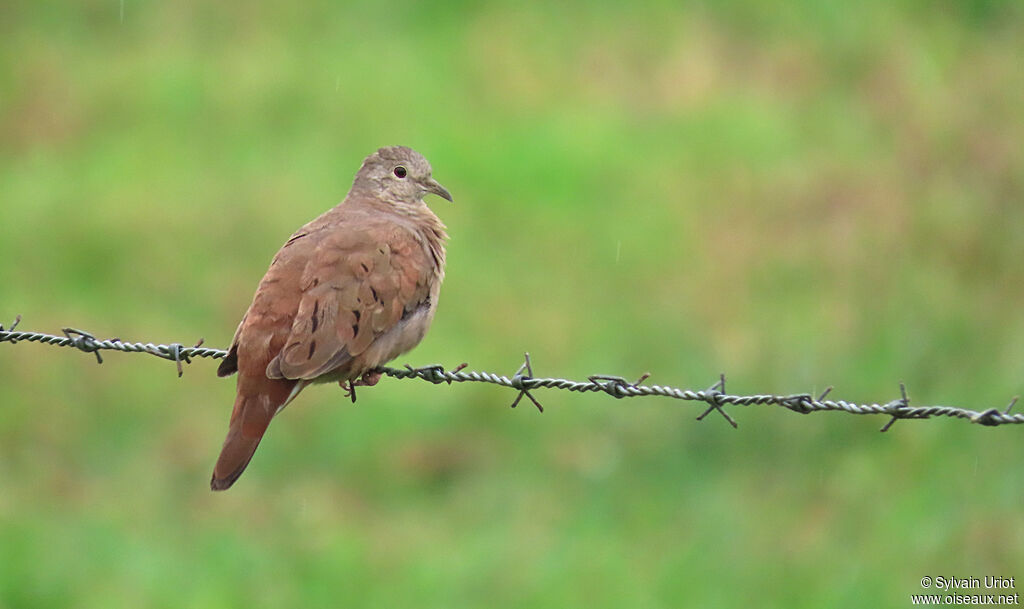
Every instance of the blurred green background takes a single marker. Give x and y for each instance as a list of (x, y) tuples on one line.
[(799, 195)]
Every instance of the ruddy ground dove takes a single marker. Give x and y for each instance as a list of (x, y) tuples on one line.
[(348, 292)]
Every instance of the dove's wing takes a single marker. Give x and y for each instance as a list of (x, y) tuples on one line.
[(357, 287)]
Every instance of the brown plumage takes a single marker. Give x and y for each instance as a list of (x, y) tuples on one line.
[(348, 292)]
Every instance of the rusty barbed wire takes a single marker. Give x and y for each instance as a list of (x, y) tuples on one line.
[(714, 396)]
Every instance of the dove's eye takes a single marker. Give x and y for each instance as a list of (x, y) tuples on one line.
[(400, 172)]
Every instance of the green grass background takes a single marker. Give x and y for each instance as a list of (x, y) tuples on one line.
[(799, 195)]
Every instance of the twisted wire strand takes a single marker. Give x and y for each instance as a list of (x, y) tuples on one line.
[(618, 387)]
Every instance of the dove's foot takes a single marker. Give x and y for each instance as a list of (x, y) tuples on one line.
[(369, 379)]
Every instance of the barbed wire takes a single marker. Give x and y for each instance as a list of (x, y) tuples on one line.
[(617, 387)]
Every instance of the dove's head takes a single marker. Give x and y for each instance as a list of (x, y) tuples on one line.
[(399, 175)]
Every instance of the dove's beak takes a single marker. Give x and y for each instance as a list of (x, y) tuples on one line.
[(435, 187)]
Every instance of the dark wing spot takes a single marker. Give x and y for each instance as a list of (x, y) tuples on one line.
[(313, 318), (374, 292), (316, 281), (312, 348), (424, 304), (366, 269), (294, 239)]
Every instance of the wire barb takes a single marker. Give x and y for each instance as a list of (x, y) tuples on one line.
[(799, 402), (1009, 406), (897, 408), (518, 380), (14, 324), (616, 386), (83, 341), (714, 397)]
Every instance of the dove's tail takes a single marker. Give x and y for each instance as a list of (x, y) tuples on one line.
[(249, 421)]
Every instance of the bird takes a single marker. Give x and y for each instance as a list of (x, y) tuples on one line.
[(348, 292)]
